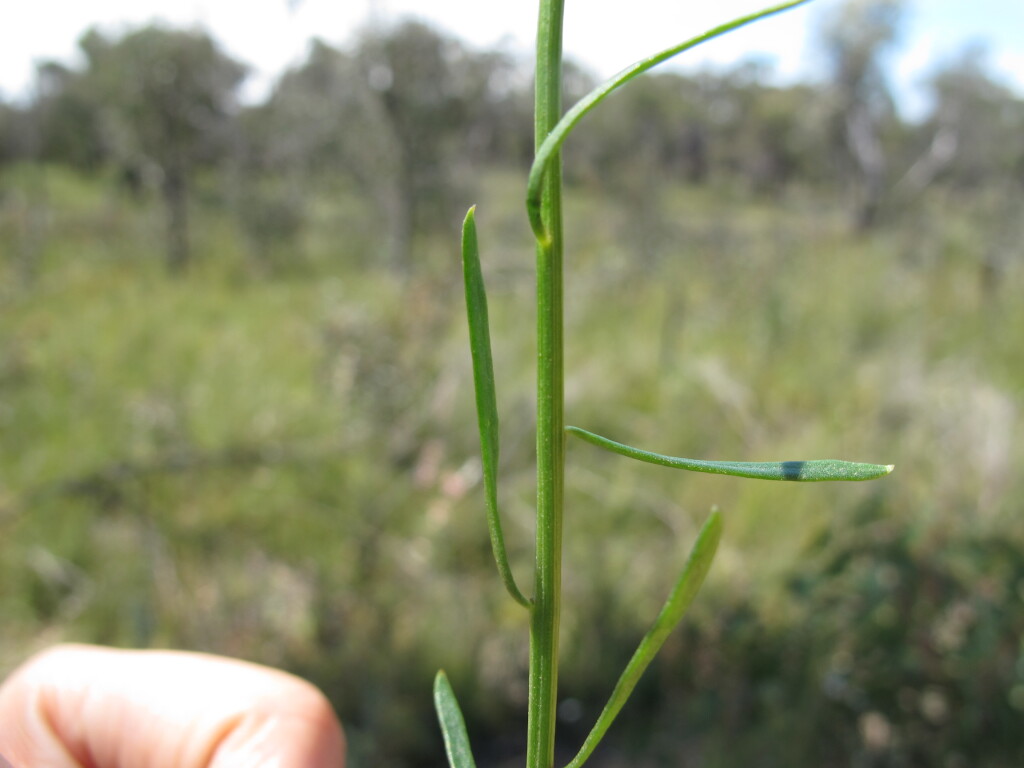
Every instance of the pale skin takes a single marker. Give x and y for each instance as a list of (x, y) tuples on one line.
[(78, 706)]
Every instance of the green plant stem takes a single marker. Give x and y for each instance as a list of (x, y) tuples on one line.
[(544, 620)]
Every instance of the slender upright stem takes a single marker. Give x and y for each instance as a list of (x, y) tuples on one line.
[(550, 420)]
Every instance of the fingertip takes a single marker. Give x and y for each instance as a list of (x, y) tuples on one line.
[(296, 727), (326, 738)]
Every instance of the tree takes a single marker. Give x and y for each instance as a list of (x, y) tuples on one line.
[(855, 40), (320, 115), (975, 126), (416, 73), (21, 134), (166, 102), (67, 118), (975, 145), (398, 118), (768, 135), (11, 134), (320, 128)]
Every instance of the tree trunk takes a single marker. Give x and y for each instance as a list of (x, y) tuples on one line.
[(175, 191), (403, 212), (866, 148)]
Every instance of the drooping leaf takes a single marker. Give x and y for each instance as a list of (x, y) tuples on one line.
[(486, 399), (817, 470), (453, 726), (558, 135), (689, 583)]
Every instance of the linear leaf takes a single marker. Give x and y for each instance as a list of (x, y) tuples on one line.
[(817, 470), (486, 399), (453, 727), (556, 138), (685, 589)]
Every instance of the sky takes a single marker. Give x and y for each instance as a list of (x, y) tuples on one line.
[(604, 35)]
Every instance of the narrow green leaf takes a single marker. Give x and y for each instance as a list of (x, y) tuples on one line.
[(800, 471), (686, 588), (486, 399), (556, 138), (453, 727)]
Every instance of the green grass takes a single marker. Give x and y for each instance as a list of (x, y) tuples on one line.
[(283, 467)]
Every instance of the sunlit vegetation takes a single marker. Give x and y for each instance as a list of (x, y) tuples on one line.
[(267, 448)]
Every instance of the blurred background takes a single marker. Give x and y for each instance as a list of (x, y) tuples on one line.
[(236, 411)]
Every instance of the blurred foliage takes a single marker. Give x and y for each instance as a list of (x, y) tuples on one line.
[(272, 455), (154, 104)]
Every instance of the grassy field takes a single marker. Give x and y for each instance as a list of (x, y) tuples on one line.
[(279, 462)]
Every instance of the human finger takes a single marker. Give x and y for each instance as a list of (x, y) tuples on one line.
[(77, 705)]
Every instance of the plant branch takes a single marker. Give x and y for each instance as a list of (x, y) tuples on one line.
[(545, 617)]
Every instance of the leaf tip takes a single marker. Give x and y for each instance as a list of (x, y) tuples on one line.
[(453, 726), (715, 515), (712, 528), (440, 683)]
